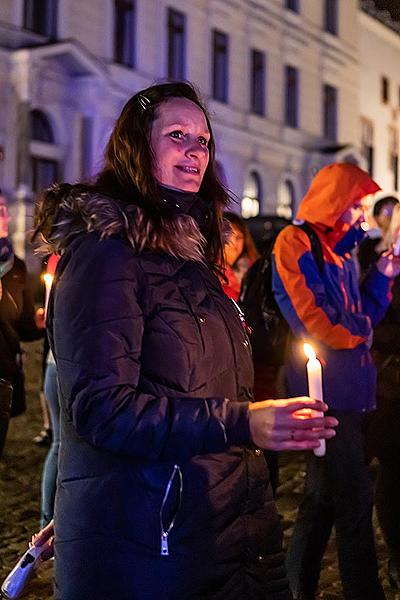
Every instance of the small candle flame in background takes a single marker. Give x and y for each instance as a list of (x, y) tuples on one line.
[(48, 282), (48, 279)]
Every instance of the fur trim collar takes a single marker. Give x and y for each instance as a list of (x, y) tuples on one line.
[(177, 235)]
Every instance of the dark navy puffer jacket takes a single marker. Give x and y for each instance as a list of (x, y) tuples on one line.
[(160, 493)]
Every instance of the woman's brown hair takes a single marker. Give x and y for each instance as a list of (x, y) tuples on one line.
[(127, 175)]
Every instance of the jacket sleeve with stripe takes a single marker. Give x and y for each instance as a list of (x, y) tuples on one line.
[(317, 304)]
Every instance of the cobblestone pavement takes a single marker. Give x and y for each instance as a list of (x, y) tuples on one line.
[(20, 471)]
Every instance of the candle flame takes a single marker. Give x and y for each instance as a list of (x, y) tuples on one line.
[(309, 352), (48, 279)]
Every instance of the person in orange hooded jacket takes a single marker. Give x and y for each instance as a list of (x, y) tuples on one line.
[(326, 307)]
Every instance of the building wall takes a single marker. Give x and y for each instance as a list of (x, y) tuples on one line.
[(78, 86), (379, 52)]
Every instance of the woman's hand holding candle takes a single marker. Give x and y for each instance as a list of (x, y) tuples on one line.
[(284, 424)]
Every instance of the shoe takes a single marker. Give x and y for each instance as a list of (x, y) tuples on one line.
[(43, 438)]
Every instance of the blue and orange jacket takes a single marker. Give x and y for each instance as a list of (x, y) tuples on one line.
[(326, 307)]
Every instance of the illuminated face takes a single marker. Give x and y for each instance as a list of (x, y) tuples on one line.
[(235, 245), (384, 216), (355, 215), (179, 139), (4, 218)]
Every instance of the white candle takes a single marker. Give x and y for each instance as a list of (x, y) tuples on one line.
[(48, 282), (314, 377)]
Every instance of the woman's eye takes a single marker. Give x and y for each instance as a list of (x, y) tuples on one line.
[(203, 141), (176, 134)]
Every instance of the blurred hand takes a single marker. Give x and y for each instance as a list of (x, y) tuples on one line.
[(45, 537), (388, 264), (290, 424), (4, 217), (40, 318)]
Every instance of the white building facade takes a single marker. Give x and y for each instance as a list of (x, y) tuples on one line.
[(379, 93), (282, 80)]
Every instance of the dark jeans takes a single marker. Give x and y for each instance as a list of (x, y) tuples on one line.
[(338, 492)]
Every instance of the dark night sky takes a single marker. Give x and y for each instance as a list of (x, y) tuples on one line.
[(393, 6)]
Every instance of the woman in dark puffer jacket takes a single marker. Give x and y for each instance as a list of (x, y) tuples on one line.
[(162, 490)]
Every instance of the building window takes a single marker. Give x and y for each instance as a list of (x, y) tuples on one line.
[(44, 165), (176, 44), (257, 82), (44, 173), (251, 200), (124, 33), (292, 5), (367, 144), (385, 91), (291, 96), (331, 16), (41, 130), (394, 156), (40, 16), (220, 66), (329, 110), (286, 200)]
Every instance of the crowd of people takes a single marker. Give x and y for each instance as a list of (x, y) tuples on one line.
[(156, 483)]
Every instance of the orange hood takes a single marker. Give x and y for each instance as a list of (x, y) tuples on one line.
[(334, 189)]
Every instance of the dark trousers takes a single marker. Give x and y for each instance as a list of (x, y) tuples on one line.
[(338, 492), (5, 408)]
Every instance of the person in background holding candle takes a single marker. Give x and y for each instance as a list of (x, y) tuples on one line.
[(18, 320), (327, 308), (381, 431), (162, 491)]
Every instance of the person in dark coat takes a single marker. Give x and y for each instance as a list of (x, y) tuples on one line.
[(18, 321), (162, 489)]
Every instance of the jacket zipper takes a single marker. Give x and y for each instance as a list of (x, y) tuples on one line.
[(12, 299), (165, 532)]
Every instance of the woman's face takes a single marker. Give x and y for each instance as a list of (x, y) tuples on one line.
[(179, 139), (235, 245), (384, 217), (4, 218), (355, 215)]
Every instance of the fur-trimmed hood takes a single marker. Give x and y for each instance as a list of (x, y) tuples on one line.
[(176, 234)]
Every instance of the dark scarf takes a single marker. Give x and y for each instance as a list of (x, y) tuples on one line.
[(188, 203)]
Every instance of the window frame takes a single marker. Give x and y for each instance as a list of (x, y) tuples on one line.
[(292, 96), (258, 82), (220, 66), (331, 17), (330, 98), (176, 40), (41, 17), (124, 46), (293, 5)]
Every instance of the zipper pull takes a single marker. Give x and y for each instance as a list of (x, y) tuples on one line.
[(164, 544), (246, 327)]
